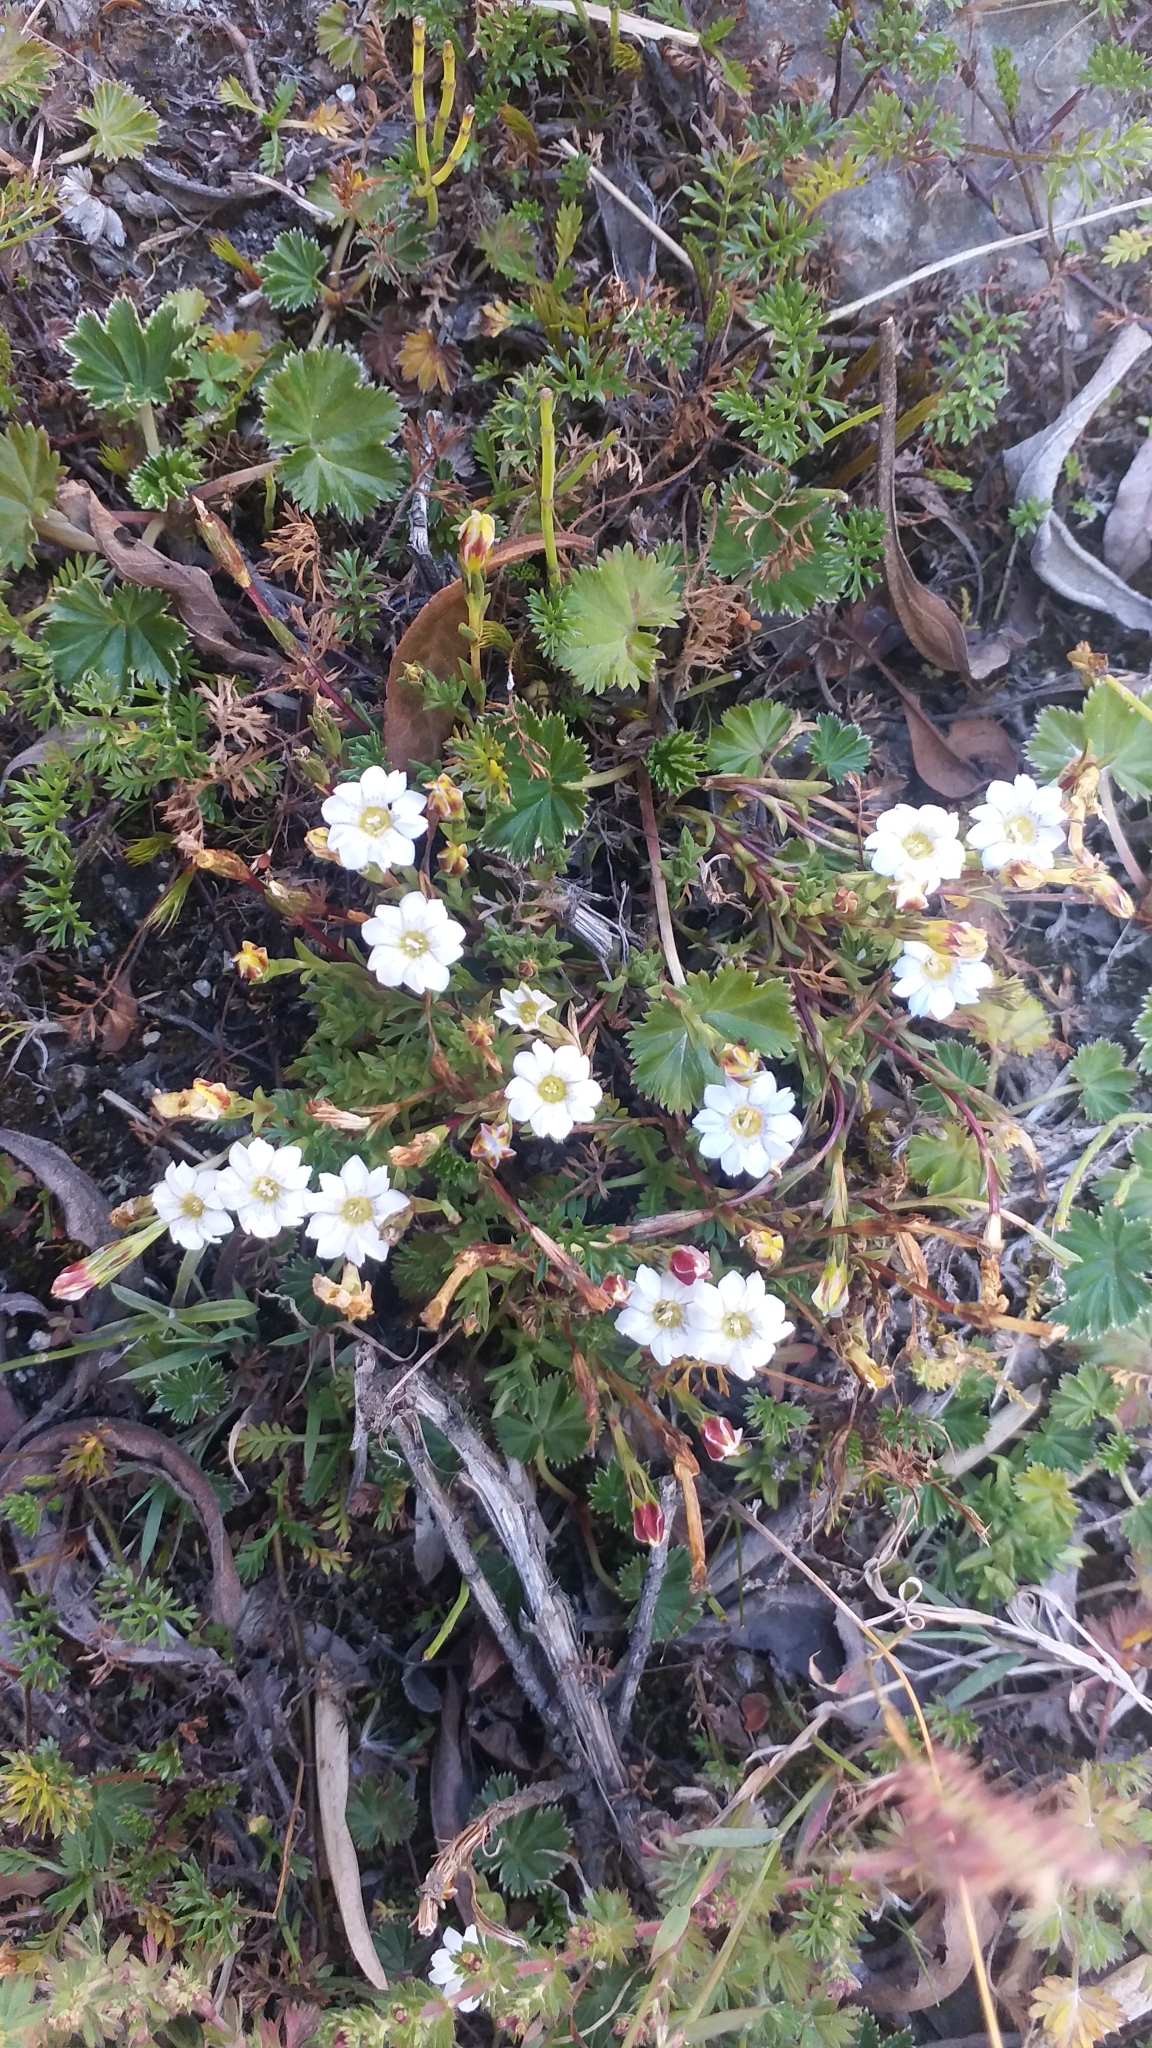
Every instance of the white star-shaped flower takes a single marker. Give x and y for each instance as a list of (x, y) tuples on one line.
[(523, 1007), (347, 1213), (374, 821), (188, 1201), (267, 1186), (656, 1314), (747, 1125), (934, 982), (443, 1971), (917, 848), (552, 1089), (414, 943), (737, 1324), (1018, 820)]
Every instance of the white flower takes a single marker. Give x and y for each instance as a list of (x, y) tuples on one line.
[(737, 1324), (917, 849), (373, 822), (267, 1186), (1018, 820), (414, 943), (746, 1125), (934, 982), (188, 1201), (552, 1089), (656, 1314), (523, 1007), (347, 1213), (442, 1970)]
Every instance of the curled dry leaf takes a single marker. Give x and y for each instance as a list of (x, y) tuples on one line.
[(414, 730), (85, 1209), (1033, 468), (961, 761), (332, 1798), (1128, 527)]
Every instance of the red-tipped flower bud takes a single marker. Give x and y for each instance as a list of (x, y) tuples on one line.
[(719, 1437), (648, 1522), (688, 1265)]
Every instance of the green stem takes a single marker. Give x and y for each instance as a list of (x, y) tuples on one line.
[(548, 482), (185, 1277), (451, 1618), (1128, 696), (1102, 1138), (147, 419), (425, 189)]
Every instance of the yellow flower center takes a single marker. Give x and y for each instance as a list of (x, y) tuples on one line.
[(413, 945), (668, 1315), (357, 1209), (746, 1122), (1020, 830), (918, 846), (737, 1325), (375, 820), (265, 1189), (552, 1088), (191, 1204), (937, 967)]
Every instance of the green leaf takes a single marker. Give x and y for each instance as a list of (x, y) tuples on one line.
[(779, 533), (122, 365), (610, 616), (545, 777), (1109, 1287), (29, 474), (733, 2021), (674, 1046), (291, 272), (963, 1063), (1106, 1084), (122, 123), (1137, 1527), (837, 749), (161, 478), (1120, 739), (948, 1164), (528, 1851), (678, 1608), (510, 248), (130, 634), (381, 1810), (551, 1423), (747, 737), (1131, 1183), (1084, 1398), (26, 65), (342, 45), (333, 428), (1058, 738)]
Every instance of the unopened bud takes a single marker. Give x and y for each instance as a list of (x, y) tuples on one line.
[(442, 799), (616, 1289), (831, 1291), (765, 1246), (418, 1149), (648, 1522), (689, 1265), (453, 858), (739, 1062), (251, 962), (350, 1296), (475, 541), (719, 1438)]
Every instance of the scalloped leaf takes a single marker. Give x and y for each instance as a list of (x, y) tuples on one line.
[(121, 364), (29, 474), (332, 432), (290, 273), (547, 802), (611, 615), (1109, 1286), (1106, 1083), (674, 1047), (122, 124), (129, 634)]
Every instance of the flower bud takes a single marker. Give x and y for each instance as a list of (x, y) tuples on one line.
[(442, 799), (251, 962), (490, 1145), (689, 1265), (1023, 874), (616, 1288), (719, 1437), (350, 1296), (648, 1522), (419, 1148), (739, 1063), (475, 542), (207, 1102), (831, 1290), (453, 858), (765, 1246)]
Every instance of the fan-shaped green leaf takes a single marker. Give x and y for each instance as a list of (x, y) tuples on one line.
[(545, 765), (528, 1850), (1108, 1287), (291, 272), (130, 634), (122, 123), (747, 737), (121, 364), (1058, 738), (838, 749), (26, 65), (1106, 1084), (611, 614), (333, 430), (29, 473)]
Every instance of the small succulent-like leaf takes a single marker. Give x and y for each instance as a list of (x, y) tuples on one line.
[(611, 614), (122, 124), (290, 273), (122, 364), (333, 430), (1109, 1286), (130, 634), (29, 473)]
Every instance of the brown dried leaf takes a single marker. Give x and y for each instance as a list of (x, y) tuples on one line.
[(1128, 527), (930, 623), (423, 361), (962, 760), (85, 1210), (1074, 2015), (331, 1733)]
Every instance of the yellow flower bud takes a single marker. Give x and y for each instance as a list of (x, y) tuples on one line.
[(251, 962), (475, 542)]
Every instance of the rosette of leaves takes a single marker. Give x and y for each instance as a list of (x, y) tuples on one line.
[(26, 65), (164, 477), (332, 431)]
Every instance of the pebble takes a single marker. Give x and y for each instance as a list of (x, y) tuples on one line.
[(202, 988)]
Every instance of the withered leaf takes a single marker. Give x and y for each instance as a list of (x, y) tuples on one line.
[(964, 759), (1128, 527), (423, 361)]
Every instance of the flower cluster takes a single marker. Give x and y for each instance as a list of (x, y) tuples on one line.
[(918, 847), (735, 1324), (266, 1189)]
